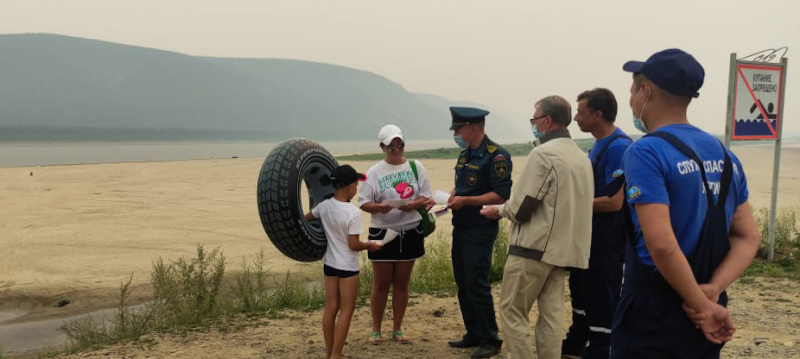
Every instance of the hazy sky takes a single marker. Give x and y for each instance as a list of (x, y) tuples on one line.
[(505, 54)]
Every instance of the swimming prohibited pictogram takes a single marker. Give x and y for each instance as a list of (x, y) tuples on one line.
[(756, 90), (757, 101)]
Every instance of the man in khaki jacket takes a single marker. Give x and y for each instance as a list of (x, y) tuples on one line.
[(551, 222)]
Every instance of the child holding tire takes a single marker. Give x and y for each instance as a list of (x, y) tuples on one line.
[(342, 223)]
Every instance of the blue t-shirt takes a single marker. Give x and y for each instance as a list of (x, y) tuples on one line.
[(609, 167), (656, 172)]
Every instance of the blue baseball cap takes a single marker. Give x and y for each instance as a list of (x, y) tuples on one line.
[(673, 70), (466, 115)]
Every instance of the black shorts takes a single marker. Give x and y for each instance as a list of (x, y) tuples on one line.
[(407, 246), (333, 272)]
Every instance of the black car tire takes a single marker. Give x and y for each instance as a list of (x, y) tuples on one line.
[(287, 167)]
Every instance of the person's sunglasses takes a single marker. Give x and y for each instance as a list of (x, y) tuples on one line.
[(538, 118), (393, 147)]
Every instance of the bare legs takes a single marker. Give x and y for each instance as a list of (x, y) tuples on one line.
[(390, 274), (340, 297)]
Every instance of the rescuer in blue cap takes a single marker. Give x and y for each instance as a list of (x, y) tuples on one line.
[(694, 233), (482, 177), (594, 291)]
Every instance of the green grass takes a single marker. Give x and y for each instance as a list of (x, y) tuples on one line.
[(516, 149), (433, 153), (787, 238), (192, 293), (256, 292), (125, 324), (499, 254), (433, 273), (776, 269), (189, 291), (365, 278), (786, 260)]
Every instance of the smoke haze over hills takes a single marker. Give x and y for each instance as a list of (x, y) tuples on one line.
[(72, 89)]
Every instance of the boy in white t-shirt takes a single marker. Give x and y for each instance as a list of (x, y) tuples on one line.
[(342, 223)]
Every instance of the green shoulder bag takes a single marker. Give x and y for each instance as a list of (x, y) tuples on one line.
[(428, 223)]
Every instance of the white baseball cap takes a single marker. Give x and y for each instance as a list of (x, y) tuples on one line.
[(389, 133)]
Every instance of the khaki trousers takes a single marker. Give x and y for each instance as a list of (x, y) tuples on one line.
[(524, 282)]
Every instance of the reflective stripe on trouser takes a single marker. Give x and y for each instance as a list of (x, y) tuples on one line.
[(472, 257), (595, 291), (526, 281), (649, 321), (651, 324)]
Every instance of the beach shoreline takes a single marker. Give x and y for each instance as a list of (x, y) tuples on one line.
[(78, 232)]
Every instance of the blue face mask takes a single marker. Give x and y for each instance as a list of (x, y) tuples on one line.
[(460, 141), (536, 134), (637, 120)]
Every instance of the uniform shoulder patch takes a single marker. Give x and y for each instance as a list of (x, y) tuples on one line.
[(491, 148), (499, 157), (501, 169), (634, 192), (617, 173)]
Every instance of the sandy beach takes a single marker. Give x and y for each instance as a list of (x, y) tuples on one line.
[(77, 232)]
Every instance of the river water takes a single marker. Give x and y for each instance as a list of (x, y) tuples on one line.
[(67, 153), (30, 336)]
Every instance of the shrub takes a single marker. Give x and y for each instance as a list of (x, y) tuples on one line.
[(191, 292), (188, 291), (126, 324), (787, 239), (434, 271), (365, 278), (786, 259), (251, 286), (499, 253), (295, 294)]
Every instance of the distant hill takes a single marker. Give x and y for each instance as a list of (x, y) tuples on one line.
[(64, 88)]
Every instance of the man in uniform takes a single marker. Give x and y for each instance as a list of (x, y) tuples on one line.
[(550, 212), (482, 177), (594, 291), (694, 231)]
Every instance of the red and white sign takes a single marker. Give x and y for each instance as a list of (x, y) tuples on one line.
[(757, 101)]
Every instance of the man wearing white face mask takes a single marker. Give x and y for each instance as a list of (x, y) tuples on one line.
[(550, 210), (482, 177), (693, 230)]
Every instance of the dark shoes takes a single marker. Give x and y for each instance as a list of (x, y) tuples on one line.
[(465, 342), (570, 349), (487, 350)]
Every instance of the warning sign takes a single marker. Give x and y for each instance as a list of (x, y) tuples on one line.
[(757, 101)]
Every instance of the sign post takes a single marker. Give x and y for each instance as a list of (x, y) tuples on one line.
[(755, 112), (731, 99)]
